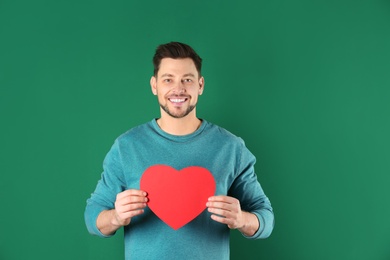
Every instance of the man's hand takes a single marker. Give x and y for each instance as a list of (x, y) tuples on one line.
[(128, 204), (227, 210)]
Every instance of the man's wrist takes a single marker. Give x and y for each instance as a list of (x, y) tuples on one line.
[(251, 224), (115, 220)]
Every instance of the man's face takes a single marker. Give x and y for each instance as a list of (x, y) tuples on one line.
[(177, 86)]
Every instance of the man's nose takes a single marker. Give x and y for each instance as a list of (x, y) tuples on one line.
[(179, 88)]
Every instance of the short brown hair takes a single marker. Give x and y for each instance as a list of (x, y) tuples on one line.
[(176, 50)]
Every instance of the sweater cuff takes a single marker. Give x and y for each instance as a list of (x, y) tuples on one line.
[(91, 214), (266, 224)]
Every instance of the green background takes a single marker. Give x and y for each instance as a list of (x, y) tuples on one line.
[(305, 83)]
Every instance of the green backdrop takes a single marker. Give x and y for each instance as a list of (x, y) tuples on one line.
[(305, 83)]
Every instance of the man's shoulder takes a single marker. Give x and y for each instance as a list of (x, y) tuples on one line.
[(224, 133), (135, 132)]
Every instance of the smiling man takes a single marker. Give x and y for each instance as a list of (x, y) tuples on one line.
[(177, 85), (178, 142)]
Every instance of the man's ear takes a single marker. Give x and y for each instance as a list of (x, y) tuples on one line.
[(201, 85), (153, 85)]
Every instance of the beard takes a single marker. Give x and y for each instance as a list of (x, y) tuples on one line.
[(179, 114)]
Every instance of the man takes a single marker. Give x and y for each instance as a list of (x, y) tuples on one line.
[(180, 140)]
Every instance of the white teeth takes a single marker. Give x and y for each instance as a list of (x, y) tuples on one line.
[(177, 100)]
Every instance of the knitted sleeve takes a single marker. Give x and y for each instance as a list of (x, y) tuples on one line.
[(104, 196), (247, 189)]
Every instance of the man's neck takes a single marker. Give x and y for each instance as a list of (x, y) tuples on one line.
[(179, 126)]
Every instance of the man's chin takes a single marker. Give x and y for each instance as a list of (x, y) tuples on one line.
[(177, 114)]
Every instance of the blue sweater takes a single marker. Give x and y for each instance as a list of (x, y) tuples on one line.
[(211, 147)]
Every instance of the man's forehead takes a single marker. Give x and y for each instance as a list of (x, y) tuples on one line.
[(185, 62), (177, 67)]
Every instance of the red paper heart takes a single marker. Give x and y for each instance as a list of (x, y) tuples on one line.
[(177, 197)]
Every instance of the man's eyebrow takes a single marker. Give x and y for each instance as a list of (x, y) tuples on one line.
[(185, 75), (166, 75), (189, 75)]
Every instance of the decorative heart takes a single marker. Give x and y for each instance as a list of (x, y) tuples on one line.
[(177, 197)]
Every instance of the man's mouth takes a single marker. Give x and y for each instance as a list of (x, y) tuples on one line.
[(177, 100)]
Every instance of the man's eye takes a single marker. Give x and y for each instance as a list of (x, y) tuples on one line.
[(167, 80), (187, 80)]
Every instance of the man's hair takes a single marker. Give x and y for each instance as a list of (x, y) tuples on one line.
[(175, 50)]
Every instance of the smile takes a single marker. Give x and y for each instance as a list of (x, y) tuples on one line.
[(177, 100)]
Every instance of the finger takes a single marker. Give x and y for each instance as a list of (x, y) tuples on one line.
[(221, 205), (130, 214), (131, 192), (217, 198), (231, 221), (222, 198), (128, 204), (131, 207), (125, 212), (131, 196), (222, 220), (132, 211), (132, 199), (136, 213), (221, 212)]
